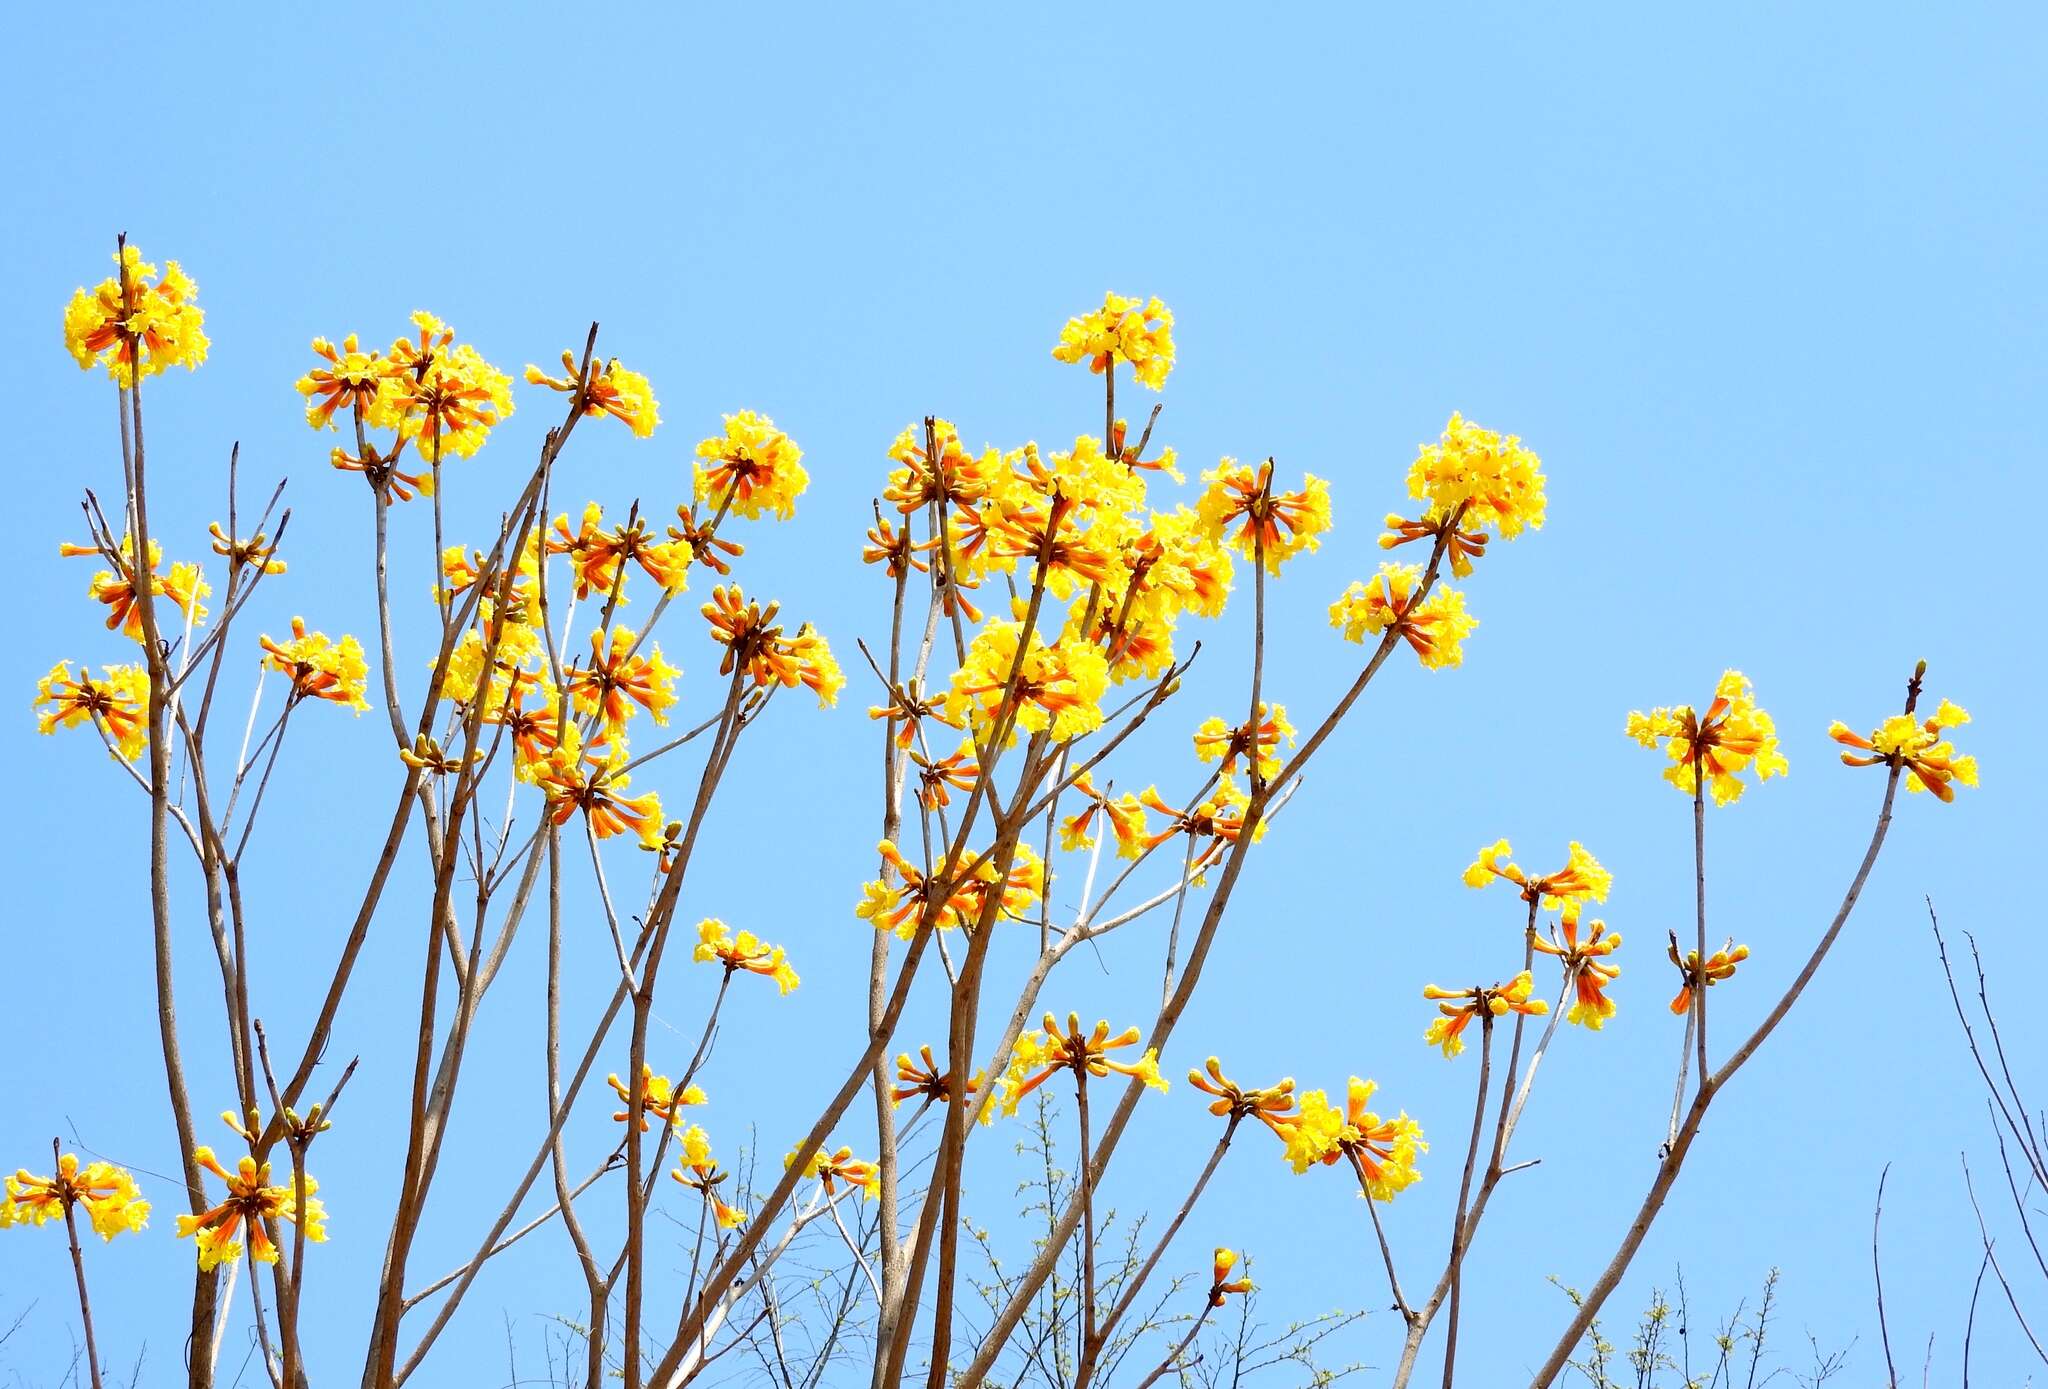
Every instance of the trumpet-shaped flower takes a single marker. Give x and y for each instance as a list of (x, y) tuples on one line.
[(380, 470), (119, 588), (1921, 748), (1381, 1152), (924, 1077), (1486, 480), (573, 780), (440, 395), (1057, 688), (253, 1202), (1261, 741), (743, 952), (1219, 818), (1039, 1056), (659, 1098), (116, 704), (608, 390), (1585, 966), (617, 677), (1125, 816), (1581, 880), (111, 1199), (839, 1168), (696, 1170), (751, 469), (1240, 507), (1457, 1008), (351, 378), (319, 668), (1122, 330), (1732, 735), (754, 643), (156, 325), (1434, 626)]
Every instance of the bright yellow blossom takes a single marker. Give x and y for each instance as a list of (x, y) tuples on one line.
[(658, 1097), (696, 1170), (1039, 1056), (1219, 819), (1122, 330), (116, 704), (1734, 734), (611, 390), (1058, 688), (752, 468), (319, 668), (1585, 965), (617, 677), (1222, 1284), (839, 1167), (1459, 1006), (1582, 879), (1271, 1105), (1125, 816), (352, 378), (1486, 480), (185, 585), (1381, 1151), (573, 780), (254, 1202), (1435, 627), (1240, 506), (439, 394), (107, 1192), (1921, 748), (746, 951), (1216, 739), (157, 324)]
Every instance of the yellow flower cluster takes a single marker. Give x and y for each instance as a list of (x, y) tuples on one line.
[(1381, 1151), (1490, 480), (1122, 330), (116, 704), (752, 468), (1733, 735), (1435, 627), (1581, 880), (156, 325), (111, 1199), (1457, 1007), (319, 668), (744, 952), (1920, 747), (252, 1201), (1240, 506), (1039, 1056), (696, 1170), (608, 390)]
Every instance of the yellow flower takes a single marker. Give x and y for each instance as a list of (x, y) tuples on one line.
[(1216, 739), (1058, 687), (1276, 524), (572, 779), (1125, 815), (107, 1192), (1270, 1104), (837, 1167), (185, 585), (1435, 628), (658, 1097), (158, 324), (617, 677), (1585, 964), (380, 470), (612, 390), (1381, 1151), (1734, 734), (1039, 1056), (1582, 879), (1929, 759), (251, 1201), (1485, 479), (116, 704), (1459, 1006), (754, 643), (752, 468), (1219, 819), (696, 1170), (352, 377), (1121, 330), (259, 550), (1691, 974), (745, 951), (440, 394), (319, 668), (935, 1085)]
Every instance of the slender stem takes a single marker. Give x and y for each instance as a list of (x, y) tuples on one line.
[(92, 1351), (1464, 1191)]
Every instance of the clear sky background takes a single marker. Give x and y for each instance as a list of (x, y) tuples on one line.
[(1764, 289)]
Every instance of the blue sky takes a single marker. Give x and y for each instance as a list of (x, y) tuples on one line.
[(1763, 288)]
